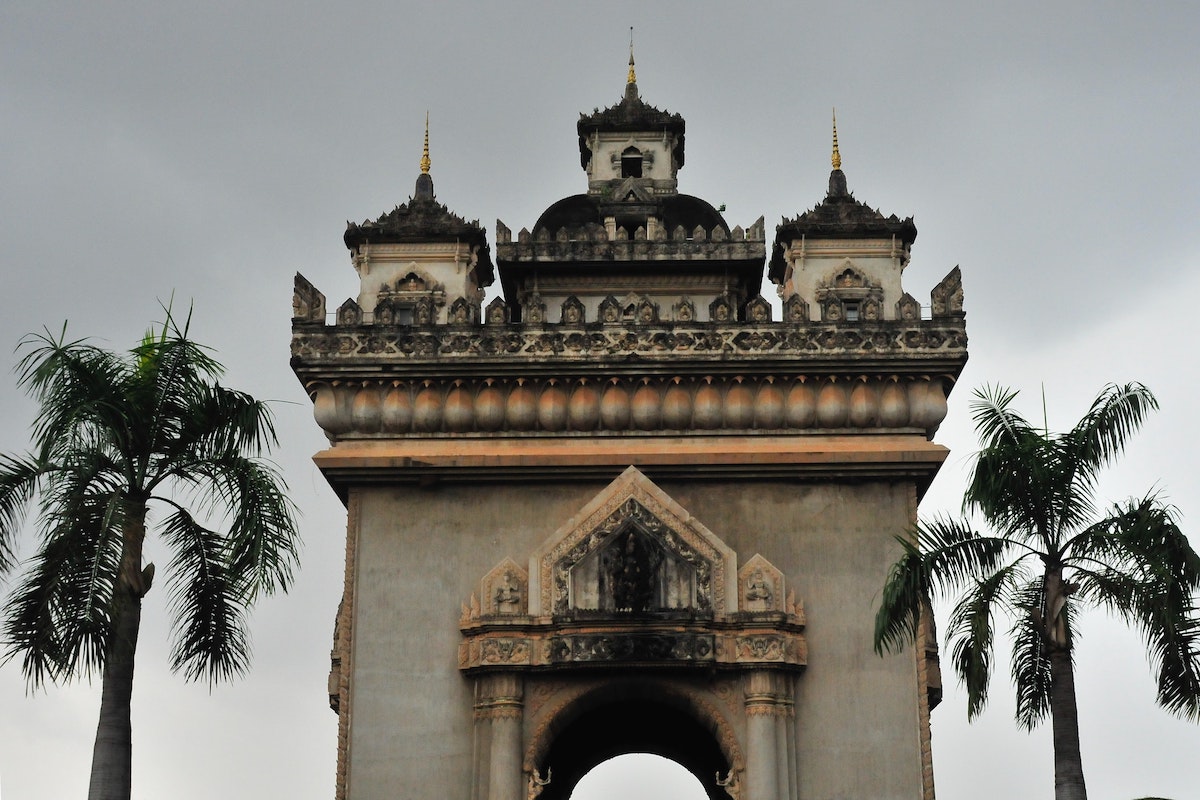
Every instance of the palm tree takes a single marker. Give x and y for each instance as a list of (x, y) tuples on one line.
[(127, 442), (1045, 551)]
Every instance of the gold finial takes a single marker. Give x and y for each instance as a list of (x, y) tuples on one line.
[(425, 152), (632, 75), (837, 157)]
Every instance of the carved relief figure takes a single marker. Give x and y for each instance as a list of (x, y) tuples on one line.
[(508, 595), (758, 592), (632, 570), (537, 782)]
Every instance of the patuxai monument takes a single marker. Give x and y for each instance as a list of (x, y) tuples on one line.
[(628, 505)]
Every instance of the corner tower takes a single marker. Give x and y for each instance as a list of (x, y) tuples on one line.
[(420, 262), (626, 508)]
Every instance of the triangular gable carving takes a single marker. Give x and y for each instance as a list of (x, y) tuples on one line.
[(505, 590), (632, 548), (760, 586)]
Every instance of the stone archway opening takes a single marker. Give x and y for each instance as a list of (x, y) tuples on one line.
[(639, 776), (634, 725)]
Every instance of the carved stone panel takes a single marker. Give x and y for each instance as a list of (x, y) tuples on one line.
[(505, 589), (760, 586), (632, 547)]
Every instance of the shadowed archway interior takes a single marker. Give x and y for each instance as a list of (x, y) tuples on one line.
[(632, 725)]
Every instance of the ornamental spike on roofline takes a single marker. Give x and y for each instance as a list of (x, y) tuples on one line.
[(632, 77), (837, 157), (425, 163)]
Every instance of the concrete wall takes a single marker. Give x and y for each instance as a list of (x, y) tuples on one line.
[(422, 553)]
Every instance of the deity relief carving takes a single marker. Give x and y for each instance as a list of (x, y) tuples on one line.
[(349, 313), (849, 277), (760, 586), (610, 310), (908, 309), (630, 535), (572, 311), (758, 310), (504, 589), (534, 309), (497, 312), (721, 310), (646, 311), (461, 312), (795, 309), (684, 310)]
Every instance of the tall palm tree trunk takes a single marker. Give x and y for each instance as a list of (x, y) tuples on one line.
[(1068, 764), (112, 755)]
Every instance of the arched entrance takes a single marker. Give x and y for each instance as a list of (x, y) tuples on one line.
[(634, 723)]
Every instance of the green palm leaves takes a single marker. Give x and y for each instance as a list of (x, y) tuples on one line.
[(129, 440), (1045, 549)]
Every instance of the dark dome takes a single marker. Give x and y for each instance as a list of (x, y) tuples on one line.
[(580, 210), (689, 211), (570, 212)]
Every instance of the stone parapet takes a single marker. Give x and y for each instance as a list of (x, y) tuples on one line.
[(684, 246), (360, 349)]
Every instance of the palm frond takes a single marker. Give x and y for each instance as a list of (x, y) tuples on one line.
[(19, 480), (946, 556), (1030, 654), (1016, 470), (1095, 441), (955, 554), (1115, 415), (1149, 573), (899, 611), (59, 616), (208, 604), (970, 637)]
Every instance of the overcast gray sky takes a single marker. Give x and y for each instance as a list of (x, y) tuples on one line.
[(210, 150)]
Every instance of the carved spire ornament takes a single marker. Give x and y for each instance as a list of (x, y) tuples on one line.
[(837, 157), (632, 78), (425, 152)]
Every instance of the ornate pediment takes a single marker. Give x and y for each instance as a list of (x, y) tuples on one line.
[(632, 549), (633, 578)]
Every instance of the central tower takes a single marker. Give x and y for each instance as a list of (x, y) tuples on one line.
[(622, 507)]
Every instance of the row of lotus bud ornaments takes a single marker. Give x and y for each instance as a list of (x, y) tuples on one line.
[(380, 408)]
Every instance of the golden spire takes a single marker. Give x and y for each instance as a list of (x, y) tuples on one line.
[(632, 75), (425, 152), (837, 157)]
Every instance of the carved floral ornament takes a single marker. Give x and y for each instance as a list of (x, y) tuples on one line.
[(632, 578)]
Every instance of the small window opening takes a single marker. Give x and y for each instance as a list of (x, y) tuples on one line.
[(851, 311), (404, 315), (631, 163)]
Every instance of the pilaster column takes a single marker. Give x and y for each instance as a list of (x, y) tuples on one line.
[(767, 765), (500, 706)]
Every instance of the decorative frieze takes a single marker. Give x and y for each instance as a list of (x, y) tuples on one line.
[(623, 405), (545, 645), (344, 344)]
